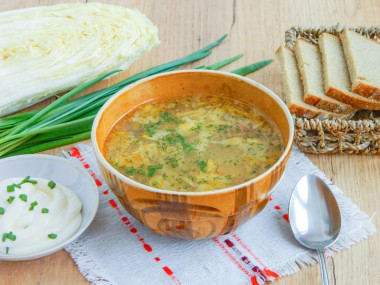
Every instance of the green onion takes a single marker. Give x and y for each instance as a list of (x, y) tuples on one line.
[(23, 197), (32, 205), (44, 210), (153, 168), (2, 211), (223, 63), (11, 188), (76, 124), (52, 236), (9, 235), (202, 165), (51, 184), (7, 250), (10, 199), (27, 180), (252, 68), (51, 144)]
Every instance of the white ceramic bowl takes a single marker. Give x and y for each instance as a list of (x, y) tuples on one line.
[(63, 172)]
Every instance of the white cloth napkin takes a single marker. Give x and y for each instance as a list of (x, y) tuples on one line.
[(117, 249)]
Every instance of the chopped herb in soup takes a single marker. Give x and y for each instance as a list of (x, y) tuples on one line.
[(196, 143)]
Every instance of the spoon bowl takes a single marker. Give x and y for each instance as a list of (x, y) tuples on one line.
[(314, 217)]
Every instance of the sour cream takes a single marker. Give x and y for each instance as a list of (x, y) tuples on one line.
[(36, 214)]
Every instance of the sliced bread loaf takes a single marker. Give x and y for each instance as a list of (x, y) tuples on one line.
[(336, 77), (363, 60), (310, 66), (293, 88)]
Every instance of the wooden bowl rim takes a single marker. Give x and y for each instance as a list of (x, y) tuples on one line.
[(127, 180)]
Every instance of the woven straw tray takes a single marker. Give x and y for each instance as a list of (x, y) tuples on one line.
[(360, 135)]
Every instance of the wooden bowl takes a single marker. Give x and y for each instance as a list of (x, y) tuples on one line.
[(193, 215)]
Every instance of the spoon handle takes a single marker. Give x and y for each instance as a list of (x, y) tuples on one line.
[(323, 266)]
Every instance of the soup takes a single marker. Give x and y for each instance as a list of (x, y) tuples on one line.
[(193, 144)]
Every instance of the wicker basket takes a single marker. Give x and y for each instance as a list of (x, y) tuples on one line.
[(360, 135)]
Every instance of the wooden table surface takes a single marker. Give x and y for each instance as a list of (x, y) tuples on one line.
[(255, 28)]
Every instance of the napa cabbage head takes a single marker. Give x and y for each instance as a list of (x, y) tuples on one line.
[(50, 49)]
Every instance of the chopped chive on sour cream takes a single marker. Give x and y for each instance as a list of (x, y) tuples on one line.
[(32, 205), (51, 184), (23, 197), (52, 236), (44, 214)]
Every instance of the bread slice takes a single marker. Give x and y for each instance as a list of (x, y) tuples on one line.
[(335, 73), (363, 60), (310, 66), (293, 88)]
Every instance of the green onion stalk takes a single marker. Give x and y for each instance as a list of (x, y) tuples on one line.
[(69, 121)]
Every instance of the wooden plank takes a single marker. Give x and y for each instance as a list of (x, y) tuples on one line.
[(256, 28)]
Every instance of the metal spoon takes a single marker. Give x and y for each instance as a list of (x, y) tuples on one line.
[(314, 217)]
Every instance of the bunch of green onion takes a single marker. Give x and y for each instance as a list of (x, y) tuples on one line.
[(68, 121)]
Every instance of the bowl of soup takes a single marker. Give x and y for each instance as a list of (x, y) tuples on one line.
[(193, 154)]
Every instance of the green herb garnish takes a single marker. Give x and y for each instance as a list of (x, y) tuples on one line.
[(9, 235), (202, 165), (2, 211), (130, 170), (172, 161), (23, 197), (168, 118), (52, 236), (32, 205), (44, 210), (153, 168), (152, 129), (51, 184), (198, 128), (223, 129), (10, 199), (179, 139), (27, 180), (7, 250), (11, 188)]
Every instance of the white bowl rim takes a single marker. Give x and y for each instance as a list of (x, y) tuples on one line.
[(269, 92), (80, 230)]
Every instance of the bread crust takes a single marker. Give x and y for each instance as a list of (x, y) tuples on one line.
[(307, 113), (329, 106), (366, 90), (359, 103)]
